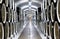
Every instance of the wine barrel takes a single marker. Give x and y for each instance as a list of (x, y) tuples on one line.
[(12, 12), (10, 29), (56, 31), (50, 30), (6, 30), (58, 11), (9, 15), (6, 2), (13, 28), (47, 13), (1, 1), (3, 13), (1, 31), (52, 12), (47, 29), (13, 15)]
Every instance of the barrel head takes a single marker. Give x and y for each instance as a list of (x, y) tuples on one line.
[(58, 11), (12, 12), (10, 29), (50, 30), (3, 13), (13, 28), (6, 30), (47, 29), (47, 13), (56, 31), (52, 12), (9, 15), (1, 31)]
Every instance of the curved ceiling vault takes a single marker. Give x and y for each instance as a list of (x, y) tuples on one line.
[(28, 9), (25, 3)]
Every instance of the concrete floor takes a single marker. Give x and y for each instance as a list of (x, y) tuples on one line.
[(29, 32)]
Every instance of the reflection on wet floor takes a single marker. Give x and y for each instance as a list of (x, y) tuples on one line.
[(30, 32)]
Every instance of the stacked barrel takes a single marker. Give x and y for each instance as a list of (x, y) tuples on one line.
[(8, 19), (52, 24)]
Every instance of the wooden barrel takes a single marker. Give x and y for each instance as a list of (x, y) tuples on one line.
[(13, 28), (6, 30), (50, 30), (56, 30), (48, 13), (13, 15), (47, 29), (10, 29), (6, 2), (9, 15), (3, 13), (58, 11), (1, 31), (12, 12), (1, 1), (52, 12), (17, 28)]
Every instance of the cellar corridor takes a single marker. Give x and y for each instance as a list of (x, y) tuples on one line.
[(29, 19), (30, 32)]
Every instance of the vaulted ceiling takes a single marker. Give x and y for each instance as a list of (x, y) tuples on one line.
[(26, 4)]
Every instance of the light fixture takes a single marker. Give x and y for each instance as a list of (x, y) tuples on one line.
[(29, 4)]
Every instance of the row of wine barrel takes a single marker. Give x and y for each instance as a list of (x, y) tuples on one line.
[(8, 20), (52, 11), (7, 30), (52, 30), (7, 14), (7, 11)]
